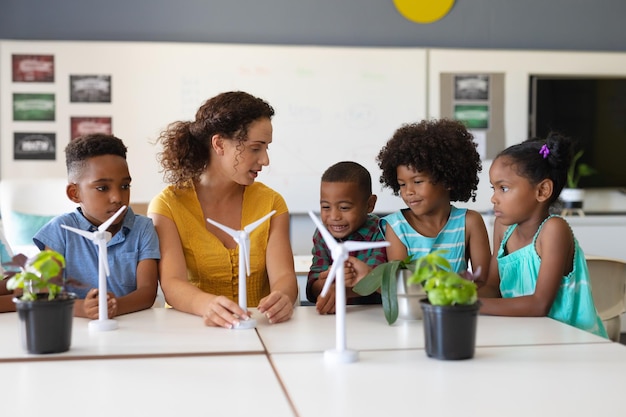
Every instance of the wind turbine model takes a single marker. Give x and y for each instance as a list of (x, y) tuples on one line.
[(100, 238), (340, 252), (242, 237)]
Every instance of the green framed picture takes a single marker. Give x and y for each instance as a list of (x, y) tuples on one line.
[(474, 116), (28, 106)]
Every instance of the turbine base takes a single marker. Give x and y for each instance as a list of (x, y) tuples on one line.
[(102, 325), (245, 324), (341, 356)]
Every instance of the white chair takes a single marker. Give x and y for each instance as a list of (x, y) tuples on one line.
[(608, 285), (6, 253), (27, 204)]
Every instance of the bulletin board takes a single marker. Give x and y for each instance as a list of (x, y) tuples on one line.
[(478, 101), (332, 104)]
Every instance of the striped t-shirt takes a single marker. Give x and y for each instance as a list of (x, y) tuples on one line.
[(451, 237)]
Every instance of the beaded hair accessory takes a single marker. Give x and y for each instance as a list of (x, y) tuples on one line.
[(544, 151)]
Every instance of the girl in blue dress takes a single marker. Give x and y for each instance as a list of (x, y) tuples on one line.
[(538, 268)]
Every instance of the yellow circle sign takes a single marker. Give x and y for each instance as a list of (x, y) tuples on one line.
[(423, 11)]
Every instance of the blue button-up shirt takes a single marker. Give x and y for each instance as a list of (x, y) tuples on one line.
[(135, 241)]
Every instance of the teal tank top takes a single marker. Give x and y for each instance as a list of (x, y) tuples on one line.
[(451, 237), (573, 303)]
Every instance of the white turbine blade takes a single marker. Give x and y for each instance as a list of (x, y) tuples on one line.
[(104, 226), (328, 238), (102, 257), (244, 245), (331, 276), (249, 228), (85, 233), (352, 246), (234, 233)]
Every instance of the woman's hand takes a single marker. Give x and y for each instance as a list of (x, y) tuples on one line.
[(277, 307), (223, 312)]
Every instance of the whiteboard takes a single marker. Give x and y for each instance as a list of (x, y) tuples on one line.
[(332, 104)]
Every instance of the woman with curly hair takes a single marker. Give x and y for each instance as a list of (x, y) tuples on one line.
[(211, 164), (431, 164)]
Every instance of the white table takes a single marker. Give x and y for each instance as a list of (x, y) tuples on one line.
[(151, 332), (546, 380), (162, 362), (234, 385), (367, 329)]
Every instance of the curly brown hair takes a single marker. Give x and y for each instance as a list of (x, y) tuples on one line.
[(442, 148), (186, 144)]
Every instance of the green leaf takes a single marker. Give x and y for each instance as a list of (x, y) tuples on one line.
[(585, 170), (437, 296), (575, 171), (373, 281), (42, 272), (442, 285), (389, 293)]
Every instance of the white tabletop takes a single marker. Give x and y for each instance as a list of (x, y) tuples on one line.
[(235, 385), (164, 362), (367, 329), (546, 380), (152, 332)]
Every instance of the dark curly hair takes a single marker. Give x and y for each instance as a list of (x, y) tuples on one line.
[(534, 162), (81, 148), (186, 144), (443, 149)]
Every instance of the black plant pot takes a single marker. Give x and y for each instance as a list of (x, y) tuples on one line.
[(573, 204), (46, 325), (572, 198), (450, 331)]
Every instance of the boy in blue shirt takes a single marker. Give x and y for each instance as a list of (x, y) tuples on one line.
[(99, 182)]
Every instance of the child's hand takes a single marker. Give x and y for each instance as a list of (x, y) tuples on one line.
[(356, 270), (90, 305), (349, 274), (326, 305), (111, 305)]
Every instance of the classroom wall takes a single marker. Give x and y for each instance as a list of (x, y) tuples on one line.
[(563, 25), (517, 67), (332, 104)]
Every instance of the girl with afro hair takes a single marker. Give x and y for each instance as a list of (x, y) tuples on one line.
[(431, 164)]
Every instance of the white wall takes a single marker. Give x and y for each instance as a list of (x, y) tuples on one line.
[(136, 66), (331, 103), (517, 67)]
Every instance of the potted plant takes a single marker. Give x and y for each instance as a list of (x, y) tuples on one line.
[(400, 298), (450, 309), (45, 309), (572, 196)]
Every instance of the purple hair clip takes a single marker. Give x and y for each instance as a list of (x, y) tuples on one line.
[(544, 151)]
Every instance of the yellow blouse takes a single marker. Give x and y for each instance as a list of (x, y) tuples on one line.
[(210, 266)]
